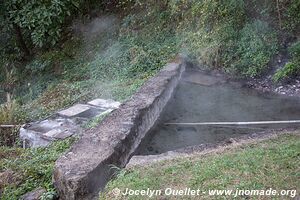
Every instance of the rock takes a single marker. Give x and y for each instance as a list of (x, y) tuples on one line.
[(63, 134), (9, 177), (34, 195), (53, 132), (59, 133)]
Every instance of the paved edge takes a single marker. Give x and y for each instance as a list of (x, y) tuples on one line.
[(85, 169), (144, 160)]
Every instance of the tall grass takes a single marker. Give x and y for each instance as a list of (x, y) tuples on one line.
[(8, 116)]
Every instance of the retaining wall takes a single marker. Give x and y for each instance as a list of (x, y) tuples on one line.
[(86, 168)]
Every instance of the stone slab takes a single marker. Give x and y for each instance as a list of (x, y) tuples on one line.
[(105, 103), (74, 110)]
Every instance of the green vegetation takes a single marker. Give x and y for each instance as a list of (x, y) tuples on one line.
[(9, 114), (96, 120), (111, 57), (29, 169), (292, 68), (272, 163)]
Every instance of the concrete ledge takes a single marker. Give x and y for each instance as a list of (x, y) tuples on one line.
[(86, 168), (144, 160)]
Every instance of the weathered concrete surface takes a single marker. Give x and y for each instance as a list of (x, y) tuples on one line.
[(42, 133), (86, 168), (65, 123)]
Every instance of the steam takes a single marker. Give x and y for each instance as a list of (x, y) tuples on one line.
[(99, 42), (95, 30)]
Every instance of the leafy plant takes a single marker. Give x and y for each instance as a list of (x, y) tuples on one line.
[(292, 15), (37, 22), (291, 68), (255, 48)]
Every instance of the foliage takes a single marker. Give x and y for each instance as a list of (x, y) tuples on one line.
[(235, 43), (33, 166), (250, 166), (292, 16), (211, 29), (291, 68), (254, 49), (216, 33), (41, 20)]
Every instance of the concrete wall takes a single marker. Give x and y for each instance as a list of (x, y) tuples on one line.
[(86, 168)]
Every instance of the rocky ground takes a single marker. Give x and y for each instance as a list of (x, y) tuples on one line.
[(290, 88)]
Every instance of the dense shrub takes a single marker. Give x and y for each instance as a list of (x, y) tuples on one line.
[(292, 68), (41, 20), (211, 29), (230, 41), (254, 49), (292, 16)]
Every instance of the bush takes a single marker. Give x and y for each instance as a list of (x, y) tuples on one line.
[(229, 41), (211, 30), (292, 68), (42, 21), (254, 49), (292, 16)]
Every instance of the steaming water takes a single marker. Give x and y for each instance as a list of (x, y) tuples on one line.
[(215, 103)]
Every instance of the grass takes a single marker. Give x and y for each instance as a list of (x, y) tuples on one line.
[(269, 164), (96, 120), (23, 170)]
